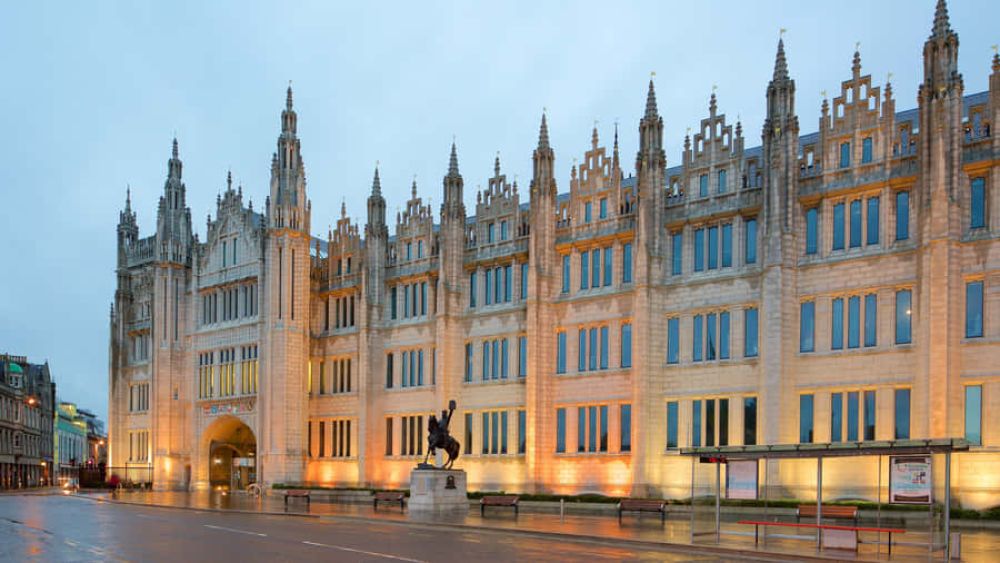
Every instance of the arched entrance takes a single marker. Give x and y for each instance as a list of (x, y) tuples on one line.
[(231, 450)]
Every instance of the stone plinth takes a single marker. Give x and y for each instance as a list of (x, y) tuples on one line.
[(438, 490)]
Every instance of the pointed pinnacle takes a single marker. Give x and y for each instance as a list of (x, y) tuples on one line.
[(288, 97), (175, 152), (593, 136), (496, 165), (413, 189), (856, 64), (651, 100), (780, 64), (543, 134), (942, 26), (128, 198), (376, 184), (453, 161)]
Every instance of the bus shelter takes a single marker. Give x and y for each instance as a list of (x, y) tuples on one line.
[(733, 473)]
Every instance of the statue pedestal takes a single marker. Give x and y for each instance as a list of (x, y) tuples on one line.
[(438, 490)]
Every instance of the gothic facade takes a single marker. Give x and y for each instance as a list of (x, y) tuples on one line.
[(835, 286)]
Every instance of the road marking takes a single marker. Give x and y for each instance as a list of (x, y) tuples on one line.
[(373, 553), (236, 531)]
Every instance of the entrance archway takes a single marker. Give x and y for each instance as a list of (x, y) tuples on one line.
[(230, 448)]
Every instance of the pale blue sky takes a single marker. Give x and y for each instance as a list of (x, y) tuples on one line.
[(95, 91)]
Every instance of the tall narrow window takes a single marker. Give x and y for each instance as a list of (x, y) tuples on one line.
[(713, 248), (856, 223), (812, 230), (699, 250), (625, 428), (902, 215), (703, 185), (872, 224), (805, 419), (522, 431), (472, 290), (673, 340), (604, 347), (903, 316), (871, 320), (672, 425), (750, 241), (468, 361), (468, 433), (584, 269), (853, 321), (524, 280), (837, 324), (603, 212), (836, 417), (560, 431), (595, 268), (677, 257), (749, 421), (603, 432), (565, 273), (696, 344), (866, 150), (388, 436), (750, 332), (503, 230), (388, 371), (902, 414), (488, 285), (581, 350), (727, 245), (627, 262), (522, 356), (710, 422), (696, 423), (608, 262), (845, 155), (977, 204), (724, 335), (561, 352), (593, 349), (581, 429), (869, 415), (974, 309), (807, 326), (722, 181), (626, 353), (853, 415), (710, 343), (838, 226), (723, 422), (974, 414), (588, 212)]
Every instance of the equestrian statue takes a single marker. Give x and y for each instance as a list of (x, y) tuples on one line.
[(438, 437)]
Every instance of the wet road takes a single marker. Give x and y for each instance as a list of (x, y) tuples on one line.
[(59, 528)]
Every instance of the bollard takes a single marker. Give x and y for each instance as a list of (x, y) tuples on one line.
[(562, 504)]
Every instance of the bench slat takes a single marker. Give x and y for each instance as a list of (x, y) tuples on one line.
[(823, 526)]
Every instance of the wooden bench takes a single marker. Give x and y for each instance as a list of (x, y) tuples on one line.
[(498, 500), (296, 494), (835, 531), (832, 511), (390, 497), (641, 505)]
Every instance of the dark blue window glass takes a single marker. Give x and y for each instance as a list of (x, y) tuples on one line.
[(807, 326), (812, 230), (750, 333), (852, 416), (869, 415), (626, 338), (710, 336), (581, 356), (561, 353), (866, 150), (595, 268), (608, 261), (974, 309), (625, 428), (974, 414), (673, 340), (560, 431), (871, 319), (604, 347), (713, 248), (838, 226), (696, 423), (854, 322), (696, 345), (845, 155), (903, 316), (837, 324), (724, 336), (727, 245), (749, 421), (593, 349), (856, 223), (902, 215), (751, 241), (584, 269), (565, 273), (836, 417), (805, 419), (977, 210), (872, 227), (472, 289), (524, 280), (902, 415), (699, 250), (703, 185), (678, 253), (671, 425), (627, 262)]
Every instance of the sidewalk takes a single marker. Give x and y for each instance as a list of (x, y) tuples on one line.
[(980, 545)]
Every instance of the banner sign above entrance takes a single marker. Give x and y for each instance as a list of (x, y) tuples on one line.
[(240, 406)]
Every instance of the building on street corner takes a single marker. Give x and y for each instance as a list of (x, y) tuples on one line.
[(27, 397), (839, 285)]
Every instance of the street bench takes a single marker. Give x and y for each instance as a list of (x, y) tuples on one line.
[(641, 505), (831, 535), (297, 494), (391, 497), (832, 511), (498, 500)]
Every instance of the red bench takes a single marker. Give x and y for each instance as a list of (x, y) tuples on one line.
[(641, 505), (498, 500), (821, 527), (832, 511), (296, 494), (391, 497)]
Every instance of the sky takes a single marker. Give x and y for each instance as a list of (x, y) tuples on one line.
[(96, 91)]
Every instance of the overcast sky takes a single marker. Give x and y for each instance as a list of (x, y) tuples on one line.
[(96, 90)]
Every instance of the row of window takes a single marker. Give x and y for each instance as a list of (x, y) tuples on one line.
[(493, 433), (227, 246), (495, 359), (138, 397), (602, 210), (335, 376), (710, 336), (866, 152), (409, 250), (498, 285), (138, 445), (411, 370), (139, 350), (861, 229), (721, 184), (12, 442), (597, 267), (903, 321), (491, 231), (343, 265), (229, 304), (593, 346), (592, 428), (343, 312), (221, 380), (333, 438), (71, 449), (713, 247), (860, 421), (414, 297), (411, 435), (709, 422)]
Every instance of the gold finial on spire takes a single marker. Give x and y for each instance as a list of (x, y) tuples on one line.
[(857, 45), (714, 87), (822, 94), (781, 33), (652, 74)]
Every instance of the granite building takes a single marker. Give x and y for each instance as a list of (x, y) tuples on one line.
[(832, 286), (27, 400)]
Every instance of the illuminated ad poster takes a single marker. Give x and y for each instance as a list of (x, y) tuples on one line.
[(910, 480), (741, 479)]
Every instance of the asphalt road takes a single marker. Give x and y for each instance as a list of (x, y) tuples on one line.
[(61, 528)]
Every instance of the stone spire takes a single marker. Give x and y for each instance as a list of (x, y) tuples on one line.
[(942, 27), (593, 137), (651, 101), (174, 152), (780, 64), (453, 208), (543, 134), (453, 161), (496, 166), (543, 176), (615, 160), (413, 188), (376, 184), (376, 210), (856, 64)]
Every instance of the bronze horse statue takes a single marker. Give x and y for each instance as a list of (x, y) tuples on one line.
[(439, 437)]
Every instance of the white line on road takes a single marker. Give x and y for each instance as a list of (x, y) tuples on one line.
[(235, 530), (373, 553)]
